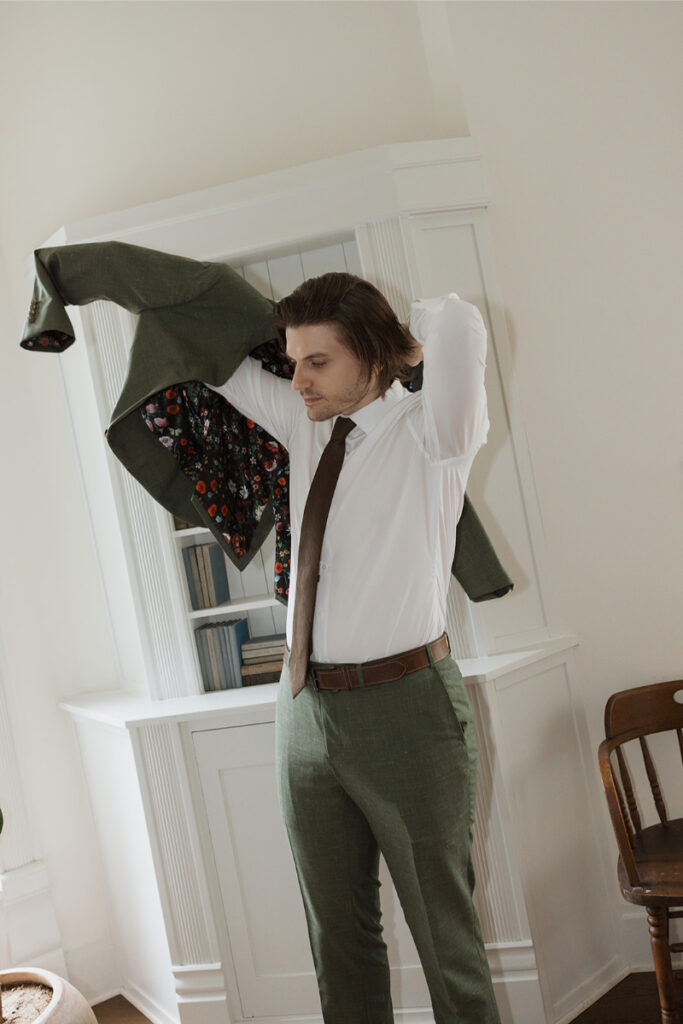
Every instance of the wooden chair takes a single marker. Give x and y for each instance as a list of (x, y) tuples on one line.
[(650, 866)]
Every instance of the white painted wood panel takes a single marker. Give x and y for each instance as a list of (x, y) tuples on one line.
[(535, 735), (259, 890), (444, 255)]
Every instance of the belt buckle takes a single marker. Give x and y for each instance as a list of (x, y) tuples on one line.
[(348, 682)]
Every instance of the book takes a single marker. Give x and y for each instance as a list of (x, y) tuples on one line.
[(221, 639), (192, 575), (263, 648), (220, 590), (216, 681), (265, 672), (207, 577), (202, 651), (203, 585), (238, 633)]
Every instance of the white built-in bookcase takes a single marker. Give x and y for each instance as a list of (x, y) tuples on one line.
[(412, 219)]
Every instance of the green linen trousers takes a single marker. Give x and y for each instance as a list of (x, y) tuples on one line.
[(389, 767)]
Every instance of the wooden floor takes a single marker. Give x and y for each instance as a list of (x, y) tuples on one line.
[(118, 1011), (633, 1001)]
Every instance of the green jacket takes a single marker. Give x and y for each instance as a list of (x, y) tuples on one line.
[(195, 454)]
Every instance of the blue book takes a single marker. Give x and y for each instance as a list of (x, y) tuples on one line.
[(238, 633), (200, 637), (218, 576), (218, 639), (212, 635), (222, 638), (192, 574)]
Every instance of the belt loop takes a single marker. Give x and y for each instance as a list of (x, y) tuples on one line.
[(359, 673), (430, 655)]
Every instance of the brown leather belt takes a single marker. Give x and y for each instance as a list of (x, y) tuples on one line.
[(382, 670)]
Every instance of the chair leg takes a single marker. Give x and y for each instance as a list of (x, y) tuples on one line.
[(658, 920)]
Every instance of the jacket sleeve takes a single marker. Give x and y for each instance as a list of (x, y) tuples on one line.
[(132, 276), (476, 565), (196, 320)]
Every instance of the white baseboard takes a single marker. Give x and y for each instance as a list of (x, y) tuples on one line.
[(94, 970), (584, 995), (203, 999), (150, 1007)]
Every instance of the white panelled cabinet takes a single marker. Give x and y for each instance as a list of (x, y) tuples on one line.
[(206, 914)]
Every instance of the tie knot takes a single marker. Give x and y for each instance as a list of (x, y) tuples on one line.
[(342, 427)]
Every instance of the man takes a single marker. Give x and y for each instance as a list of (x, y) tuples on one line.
[(375, 741)]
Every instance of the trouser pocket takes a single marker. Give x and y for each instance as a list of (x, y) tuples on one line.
[(463, 717), (453, 683)]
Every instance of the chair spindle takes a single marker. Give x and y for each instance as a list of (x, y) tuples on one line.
[(628, 789), (654, 780)]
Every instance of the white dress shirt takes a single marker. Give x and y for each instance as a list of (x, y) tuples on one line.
[(389, 542)]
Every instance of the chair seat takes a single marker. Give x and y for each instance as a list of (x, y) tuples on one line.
[(658, 852)]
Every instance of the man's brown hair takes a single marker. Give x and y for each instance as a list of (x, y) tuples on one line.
[(365, 322)]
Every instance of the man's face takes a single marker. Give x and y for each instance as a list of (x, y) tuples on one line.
[(329, 377)]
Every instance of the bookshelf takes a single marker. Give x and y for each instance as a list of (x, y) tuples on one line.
[(251, 598)]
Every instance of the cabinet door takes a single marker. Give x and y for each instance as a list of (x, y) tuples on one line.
[(260, 894), (261, 901)]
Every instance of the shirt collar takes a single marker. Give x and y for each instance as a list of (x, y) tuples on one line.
[(372, 414)]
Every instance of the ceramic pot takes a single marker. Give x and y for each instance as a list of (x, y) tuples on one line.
[(67, 1005)]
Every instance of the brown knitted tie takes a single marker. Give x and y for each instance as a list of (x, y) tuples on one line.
[(310, 546)]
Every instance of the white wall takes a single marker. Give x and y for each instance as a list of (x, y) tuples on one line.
[(575, 108)]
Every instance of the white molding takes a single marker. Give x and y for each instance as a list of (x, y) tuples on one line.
[(588, 993), (30, 934), (312, 201), (142, 1000), (498, 891), (251, 705), (23, 882), (29, 929), (162, 659), (203, 999), (16, 843), (178, 864)]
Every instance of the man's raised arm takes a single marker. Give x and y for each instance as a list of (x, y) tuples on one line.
[(263, 397), (453, 336)]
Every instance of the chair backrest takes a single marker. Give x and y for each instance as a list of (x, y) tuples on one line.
[(636, 714), (649, 709)]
